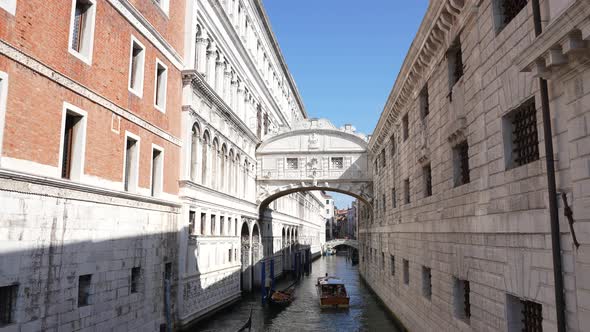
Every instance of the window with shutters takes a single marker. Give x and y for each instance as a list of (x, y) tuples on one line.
[(461, 299), (8, 295), (82, 29), (461, 164), (157, 176), (131, 165), (84, 290), (161, 85), (505, 11), (73, 143), (521, 140), (136, 67), (523, 315)]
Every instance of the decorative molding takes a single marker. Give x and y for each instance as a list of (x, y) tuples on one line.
[(456, 131), (64, 81)]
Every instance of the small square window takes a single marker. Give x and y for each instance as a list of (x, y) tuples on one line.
[(406, 266), (8, 295), (461, 299), (292, 163), (337, 162), (84, 292), (427, 282), (521, 140), (461, 164), (405, 127), (135, 279)]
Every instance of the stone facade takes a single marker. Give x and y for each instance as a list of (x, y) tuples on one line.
[(459, 235)]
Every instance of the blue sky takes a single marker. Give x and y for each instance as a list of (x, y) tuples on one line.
[(345, 55)]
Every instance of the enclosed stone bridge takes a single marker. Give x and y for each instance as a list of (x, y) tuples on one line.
[(313, 155), (341, 242)]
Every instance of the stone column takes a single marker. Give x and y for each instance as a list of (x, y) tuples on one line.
[(211, 59), (219, 77), (234, 94), (227, 85), (201, 53)]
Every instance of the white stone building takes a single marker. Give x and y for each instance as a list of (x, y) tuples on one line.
[(460, 235)]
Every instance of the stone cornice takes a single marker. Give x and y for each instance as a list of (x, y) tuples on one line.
[(440, 18), (199, 83)]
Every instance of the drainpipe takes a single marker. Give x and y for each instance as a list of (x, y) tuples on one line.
[(551, 188)]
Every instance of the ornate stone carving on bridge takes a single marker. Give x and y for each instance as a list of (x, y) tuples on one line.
[(313, 155)]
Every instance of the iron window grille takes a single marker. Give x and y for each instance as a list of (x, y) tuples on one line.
[(462, 159), (292, 163), (525, 140), (532, 316), (427, 181), (337, 162), (8, 296), (466, 300)]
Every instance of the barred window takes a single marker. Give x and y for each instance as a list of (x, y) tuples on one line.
[(337, 162), (461, 299), (427, 173), (461, 162), (8, 296), (521, 137), (524, 315), (292, 163)]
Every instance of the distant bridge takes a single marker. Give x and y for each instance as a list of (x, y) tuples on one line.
[(341, 242)]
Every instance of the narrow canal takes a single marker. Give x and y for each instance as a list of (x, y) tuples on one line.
[(366, 313)]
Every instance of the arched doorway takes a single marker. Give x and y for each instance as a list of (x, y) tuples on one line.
[(245, 277), (256, 255)]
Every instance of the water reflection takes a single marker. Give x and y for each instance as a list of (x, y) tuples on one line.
[(304, 314)]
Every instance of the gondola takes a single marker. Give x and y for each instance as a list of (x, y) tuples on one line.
[(248, 325), (282, 298)]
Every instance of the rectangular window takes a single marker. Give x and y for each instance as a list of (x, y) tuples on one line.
[(292, 163), (157, 177), (455, 63), (327, 201), (393, 146), (382, 260), (461, 299), (213, 220), (523, 315), (505, 11), (135, 279), (161, 82), (384, 203), (221, 225), (191, 222), (131, 163), (229, 255), (168, 272), (423, 102), (426, 282), (405, 127), (136, 67), (73, 142), (84, 283), (406, 266), (383, 159), (427, 175), (8, 295), (407, 191), (461, 164), (521, 140), (392, 262), (337, 162), (203, 223), (393, 198), (327, 211), (82, 29)]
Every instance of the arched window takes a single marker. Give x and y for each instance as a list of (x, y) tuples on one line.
[(237, 174), (223, 168), (205, 161), (231, 179), (195, 133), (214, 163)]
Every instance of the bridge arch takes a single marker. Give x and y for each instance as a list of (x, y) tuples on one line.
[(313, 155)]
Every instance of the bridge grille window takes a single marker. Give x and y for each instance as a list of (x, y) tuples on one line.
[(461, 299), (524, 315), (461, 157), (337, 162), (524, 140), (427, 171), (8, 296), (292, 163)]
